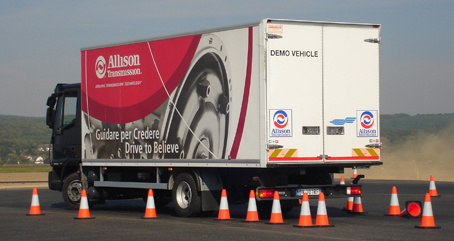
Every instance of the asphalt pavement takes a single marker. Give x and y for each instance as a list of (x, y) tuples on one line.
[(121, 219)]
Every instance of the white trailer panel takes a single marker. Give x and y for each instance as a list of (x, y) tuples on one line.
[(322, 92)]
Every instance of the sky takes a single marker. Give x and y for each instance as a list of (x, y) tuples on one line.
[(40, 41)]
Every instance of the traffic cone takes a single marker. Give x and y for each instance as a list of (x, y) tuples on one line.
[(342, 181), (276, 212), (355, 173), (224, 213), (357, 206), (150, 211), (427, 220), (35, 208), (252, 214), (432, 188), (305, 213), (322, 217), (84, 213), (349, 205), (412, 209), (394, 208)]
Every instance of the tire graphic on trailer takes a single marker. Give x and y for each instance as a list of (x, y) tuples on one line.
[(199, 119)]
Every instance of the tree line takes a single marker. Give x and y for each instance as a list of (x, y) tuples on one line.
[(20, 137)]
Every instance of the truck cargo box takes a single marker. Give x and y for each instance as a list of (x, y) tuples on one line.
[(275, 92)]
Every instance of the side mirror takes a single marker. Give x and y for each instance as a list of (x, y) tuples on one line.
[(50, 117), (51, 101)]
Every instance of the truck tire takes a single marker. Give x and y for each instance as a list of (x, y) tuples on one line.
[(187, 200), (72, 190)]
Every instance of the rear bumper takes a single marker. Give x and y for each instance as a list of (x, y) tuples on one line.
[(295, 192)]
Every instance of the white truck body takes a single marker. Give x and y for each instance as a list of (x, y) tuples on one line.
[(275, 106), (276, 92)]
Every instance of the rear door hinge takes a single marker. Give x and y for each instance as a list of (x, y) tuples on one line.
[(373, 40)]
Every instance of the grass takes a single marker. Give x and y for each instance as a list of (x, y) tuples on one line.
[(25, 168)]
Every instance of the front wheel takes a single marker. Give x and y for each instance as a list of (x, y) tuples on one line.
[(186, 199), (72, 190)]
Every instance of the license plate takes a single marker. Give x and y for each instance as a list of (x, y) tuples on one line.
[(309, 191)]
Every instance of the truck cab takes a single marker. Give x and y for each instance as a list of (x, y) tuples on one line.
[(63, 118)]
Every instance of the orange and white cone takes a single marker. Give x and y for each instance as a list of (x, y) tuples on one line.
[(35, 209), (322, 217), (412, 209), (276, 212), (150, 211), (357, 206), (84, 212), (355, 173), (305, 214), (252, 214), (432, 187), (349, 205), (342, 181), (427, 220), (224, 213), (394, 208)]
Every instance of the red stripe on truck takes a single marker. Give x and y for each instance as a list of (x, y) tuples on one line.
[(247, 86)]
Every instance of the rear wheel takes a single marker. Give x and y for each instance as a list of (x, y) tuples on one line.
[(186, 199), (72, 190)]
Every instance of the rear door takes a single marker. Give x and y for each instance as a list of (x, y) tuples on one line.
[(351, 92), (294, 92)]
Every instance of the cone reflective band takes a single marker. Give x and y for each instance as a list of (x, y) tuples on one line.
[(322, 216), (150, 211), (84, 212), (305, 213), (35, 208), (427, 220), (394, 208), (432, 187), (224, 213), (276, 213), (252, 214), (412, 209)]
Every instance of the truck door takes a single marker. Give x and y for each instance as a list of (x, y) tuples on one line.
[(351, 92), (294, 93), (66, 137)]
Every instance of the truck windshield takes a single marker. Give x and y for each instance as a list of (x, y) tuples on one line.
[(66, 110)]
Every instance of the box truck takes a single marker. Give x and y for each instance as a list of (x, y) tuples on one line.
[(275, 105)]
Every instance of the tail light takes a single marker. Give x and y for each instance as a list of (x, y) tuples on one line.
[(266, 193), (354, 190)]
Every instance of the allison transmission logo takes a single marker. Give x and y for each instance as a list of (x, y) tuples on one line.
[(280, 123), (367, 125), (100, 67), (118, 66)]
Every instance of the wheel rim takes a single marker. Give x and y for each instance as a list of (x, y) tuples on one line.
[(200, 126), (74, 190), (183, 195), (206, 112)]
